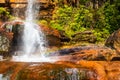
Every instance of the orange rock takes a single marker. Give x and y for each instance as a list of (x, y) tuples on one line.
[(50, 31), (100, 70)]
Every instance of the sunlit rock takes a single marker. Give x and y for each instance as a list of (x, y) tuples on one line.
[(90, 53)]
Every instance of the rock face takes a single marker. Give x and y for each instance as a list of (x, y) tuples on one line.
[(114, 41), (11, 36)]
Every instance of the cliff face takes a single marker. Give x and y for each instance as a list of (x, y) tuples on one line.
[(46, 8)]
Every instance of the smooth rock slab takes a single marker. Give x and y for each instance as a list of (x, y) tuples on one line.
[(60, 70)]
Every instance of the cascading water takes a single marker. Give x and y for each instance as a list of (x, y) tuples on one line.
[(33, 39)]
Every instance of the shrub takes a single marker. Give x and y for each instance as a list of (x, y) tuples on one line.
[(71, 19), (4, 14)]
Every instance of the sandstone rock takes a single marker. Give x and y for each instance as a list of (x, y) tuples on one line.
[(52, 35), (61, 70), (114, 41), (95, 66), (86, 36), (90, 53), (45, 71), (53, 41)]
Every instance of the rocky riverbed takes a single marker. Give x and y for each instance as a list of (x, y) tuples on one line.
[(60, 70)]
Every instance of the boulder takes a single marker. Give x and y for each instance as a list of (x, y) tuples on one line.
[(113, 41), (53, 36)]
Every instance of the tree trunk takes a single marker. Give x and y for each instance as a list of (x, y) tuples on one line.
[(95, 4), (78, 3)]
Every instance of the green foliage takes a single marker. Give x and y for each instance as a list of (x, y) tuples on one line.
[(102, 21), (72, 20), (44, 22), (4, 14), (106, 20), (112, 17), (3, 10), (101, 27)]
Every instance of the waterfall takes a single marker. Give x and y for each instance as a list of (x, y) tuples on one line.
[(33, 38), (33, 49)]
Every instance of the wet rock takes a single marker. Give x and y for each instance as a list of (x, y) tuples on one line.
[(66, 51), (95, 66), (10, 36), (45, 71), (17, 31), (114, 41), (91, 53), (61, 70)]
